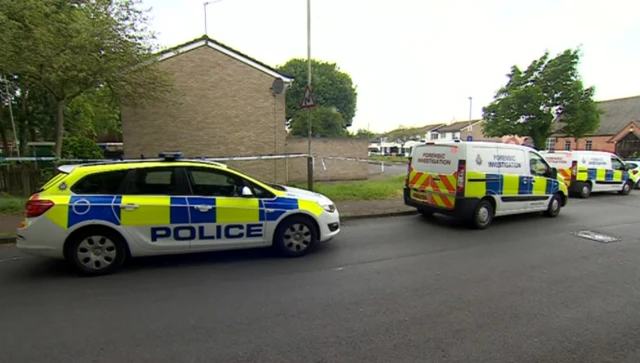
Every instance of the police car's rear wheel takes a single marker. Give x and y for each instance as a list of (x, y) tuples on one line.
[(626, 188), (585, 192), (96, 252), (295, 236), (554, 206), (483, 215)]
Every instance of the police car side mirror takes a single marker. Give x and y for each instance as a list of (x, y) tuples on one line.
[(246, 192)]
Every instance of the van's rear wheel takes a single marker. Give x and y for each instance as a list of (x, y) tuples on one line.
[(585, 191), (96, 251), (425, 213), (483, 215)]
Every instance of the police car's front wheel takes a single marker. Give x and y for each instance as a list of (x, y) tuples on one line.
[(295, 236), (554, 206), (626, 188), (96, 251)]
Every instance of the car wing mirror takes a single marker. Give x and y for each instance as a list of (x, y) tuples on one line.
[(246, 192)]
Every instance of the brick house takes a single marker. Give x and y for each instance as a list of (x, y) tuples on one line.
[(618, 131), (224, 107)]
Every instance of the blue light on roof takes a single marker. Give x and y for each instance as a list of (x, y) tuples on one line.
[(170, 155)]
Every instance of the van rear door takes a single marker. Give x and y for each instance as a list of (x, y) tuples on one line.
[(561, 161), (433, 174)]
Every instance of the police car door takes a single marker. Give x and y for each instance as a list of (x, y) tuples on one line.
[(220, 216), (153, 204)]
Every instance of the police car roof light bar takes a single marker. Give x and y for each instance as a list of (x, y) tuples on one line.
[(170, 155)]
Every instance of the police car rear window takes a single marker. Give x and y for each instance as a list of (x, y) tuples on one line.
[(100, 183)]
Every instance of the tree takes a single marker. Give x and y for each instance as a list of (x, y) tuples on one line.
[(332, 89), (68, 48), (364, 134), (549, 90), (326, 122)]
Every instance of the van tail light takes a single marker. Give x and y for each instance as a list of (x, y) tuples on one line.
[(574, 170), (409, 169), (37, 207), (462, 174)]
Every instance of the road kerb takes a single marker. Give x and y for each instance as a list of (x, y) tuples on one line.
[(7, 240), (351, 217)]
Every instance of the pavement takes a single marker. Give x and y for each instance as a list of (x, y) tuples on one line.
[(402, 289)]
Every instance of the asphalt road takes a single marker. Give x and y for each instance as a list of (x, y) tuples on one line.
[(387, 290)]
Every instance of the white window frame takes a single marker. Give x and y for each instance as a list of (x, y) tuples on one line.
[(551, 144), (567, 145), (588, 146)]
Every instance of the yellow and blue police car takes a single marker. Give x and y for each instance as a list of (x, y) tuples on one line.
[(98, 215)]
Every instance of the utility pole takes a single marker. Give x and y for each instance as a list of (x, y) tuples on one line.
[(470, 112), (309, 158)]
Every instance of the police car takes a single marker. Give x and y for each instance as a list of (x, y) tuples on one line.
[(98, 215)]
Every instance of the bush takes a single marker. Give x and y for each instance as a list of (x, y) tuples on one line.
[(79, 147)]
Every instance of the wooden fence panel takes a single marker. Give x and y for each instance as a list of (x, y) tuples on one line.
[(20, 180)]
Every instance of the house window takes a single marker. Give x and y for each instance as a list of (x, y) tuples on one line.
[(551, 144), (434, 136), (589, 145), (567, 144)]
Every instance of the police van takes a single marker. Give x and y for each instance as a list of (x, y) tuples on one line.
[(477, 181), (588, 172), (98, 215)]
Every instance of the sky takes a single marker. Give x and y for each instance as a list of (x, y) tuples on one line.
[(417, 62)]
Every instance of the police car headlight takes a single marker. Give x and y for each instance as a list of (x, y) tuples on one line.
[(329, 207)]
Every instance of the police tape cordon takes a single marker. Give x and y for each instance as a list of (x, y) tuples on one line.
[(218, 159)]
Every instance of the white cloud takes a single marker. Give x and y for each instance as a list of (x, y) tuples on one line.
[(416, 61)]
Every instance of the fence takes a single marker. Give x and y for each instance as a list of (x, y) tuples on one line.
[(23, 176)]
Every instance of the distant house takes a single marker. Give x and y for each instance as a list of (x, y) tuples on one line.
[(618, 131)]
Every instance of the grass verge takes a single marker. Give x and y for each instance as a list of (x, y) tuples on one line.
[(360, 190), (389, 159), (11, 205)]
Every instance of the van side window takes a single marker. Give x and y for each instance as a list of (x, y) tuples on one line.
[(538, 165), (616, 164)]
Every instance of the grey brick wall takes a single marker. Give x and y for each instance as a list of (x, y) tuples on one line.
[(336, 169)]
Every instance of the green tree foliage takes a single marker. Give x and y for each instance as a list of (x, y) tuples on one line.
[(326, 122), (549, 89), (332, 89), (80, 147), (364, 134), (65, 49)]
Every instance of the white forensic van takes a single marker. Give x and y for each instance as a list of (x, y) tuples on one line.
[(476, 181), (589, 172)]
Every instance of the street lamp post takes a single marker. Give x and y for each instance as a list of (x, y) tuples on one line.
[(205, 14), (309, 134)]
